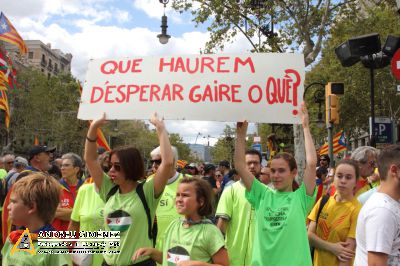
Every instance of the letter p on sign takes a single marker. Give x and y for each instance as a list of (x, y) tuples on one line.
[(382, 128)]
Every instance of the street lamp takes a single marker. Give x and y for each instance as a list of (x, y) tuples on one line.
[(319, 97), (368, 50), (164, 37)]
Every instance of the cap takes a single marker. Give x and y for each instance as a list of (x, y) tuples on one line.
[(20, 161), (209, 167), (326, 157), (101, 150), (225, 164), (39, 149)]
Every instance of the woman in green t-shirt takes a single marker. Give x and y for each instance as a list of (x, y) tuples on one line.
[(281, 212), (193, 240), (124, 209)]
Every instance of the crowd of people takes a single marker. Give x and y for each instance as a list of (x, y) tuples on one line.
[(180, 213)]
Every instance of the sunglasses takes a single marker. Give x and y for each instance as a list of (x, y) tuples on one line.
[(117, 166), (218, 175), (156, 161), (322, 159)]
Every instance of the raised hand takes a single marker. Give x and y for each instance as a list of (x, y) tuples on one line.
[(241, 128), (304, 115), (157, 122), (99, 122)]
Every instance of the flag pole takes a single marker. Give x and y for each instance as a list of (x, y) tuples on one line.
[(330, 144)]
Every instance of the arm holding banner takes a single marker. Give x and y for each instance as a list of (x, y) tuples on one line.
[(166, 168), (239, 157), (91, 151), (311, 155)]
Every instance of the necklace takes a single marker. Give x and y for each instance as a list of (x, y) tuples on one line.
[(186, 223)]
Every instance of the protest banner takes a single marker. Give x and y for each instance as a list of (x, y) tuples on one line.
[(263, 87)]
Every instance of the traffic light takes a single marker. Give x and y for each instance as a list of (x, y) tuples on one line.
[(332, 101)]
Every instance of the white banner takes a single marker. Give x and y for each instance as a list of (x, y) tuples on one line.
[(254, 87)]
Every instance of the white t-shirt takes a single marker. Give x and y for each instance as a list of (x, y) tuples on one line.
[(366, 195), (378, 229)]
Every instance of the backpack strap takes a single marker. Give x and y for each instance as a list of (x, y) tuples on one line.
[(324, 200), (152, 230), (112, 191)]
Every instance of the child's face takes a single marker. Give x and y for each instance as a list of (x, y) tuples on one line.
[(18, 211), (186, 200)]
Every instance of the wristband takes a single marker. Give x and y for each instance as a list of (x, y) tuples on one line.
[(91, 140)]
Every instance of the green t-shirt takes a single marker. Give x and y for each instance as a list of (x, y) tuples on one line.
[(166, 211), (280, 236), (234, 207), (22, 258), (88, 211), (125, 213), (3, 173), (198, 242)]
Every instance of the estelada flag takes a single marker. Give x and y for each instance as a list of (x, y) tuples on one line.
[(339, 144), (9, 34)]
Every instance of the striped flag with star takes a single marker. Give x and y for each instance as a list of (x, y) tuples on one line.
[(339, 144), (9, 34)]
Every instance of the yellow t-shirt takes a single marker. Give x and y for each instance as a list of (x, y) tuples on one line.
[(337, 222)]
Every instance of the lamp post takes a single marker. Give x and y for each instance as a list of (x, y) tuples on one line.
[(319, 97), (368, 50), (164, 37)]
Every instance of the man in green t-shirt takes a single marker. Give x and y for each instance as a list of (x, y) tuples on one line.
[(236, 216)]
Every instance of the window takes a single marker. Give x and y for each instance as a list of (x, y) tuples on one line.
[(30, 55), (43, 63)]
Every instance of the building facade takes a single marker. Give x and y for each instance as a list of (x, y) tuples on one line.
[(42, 57)]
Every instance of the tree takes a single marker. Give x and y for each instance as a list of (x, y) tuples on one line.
[(46, 109), (224, 147), (300, 25), (355, 103)]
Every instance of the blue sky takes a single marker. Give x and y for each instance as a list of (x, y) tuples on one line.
[(115, 28)]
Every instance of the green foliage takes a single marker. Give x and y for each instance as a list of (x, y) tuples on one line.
[(47, 109), (225, 146), (300, 25), (355, 103)]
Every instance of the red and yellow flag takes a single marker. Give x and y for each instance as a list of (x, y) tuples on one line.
[(8, 73), (9, 34), (36, 141), (101, 139), (339, 144), (4, 106)]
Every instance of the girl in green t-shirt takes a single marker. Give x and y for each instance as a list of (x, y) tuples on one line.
[(281, 212), (193, 240)]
